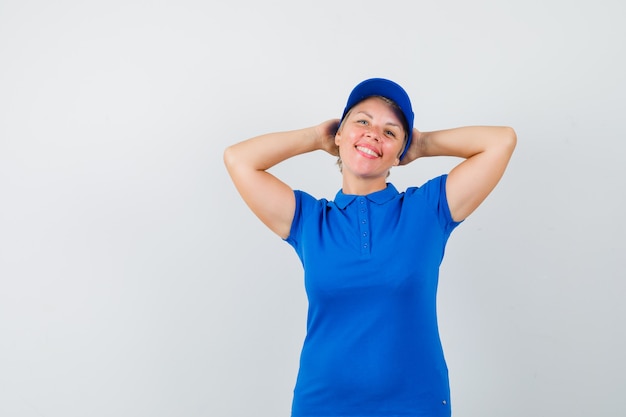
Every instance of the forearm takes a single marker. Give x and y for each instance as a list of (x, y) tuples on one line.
[(465, 142), (265, 151)]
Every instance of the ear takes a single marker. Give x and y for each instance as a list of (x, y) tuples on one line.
[(396, 162), (337, 137)]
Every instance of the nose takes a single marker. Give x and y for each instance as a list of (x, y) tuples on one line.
[(373, 133)]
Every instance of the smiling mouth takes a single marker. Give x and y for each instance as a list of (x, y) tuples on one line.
[(367, 151)]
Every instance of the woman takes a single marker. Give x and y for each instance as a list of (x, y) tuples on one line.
[(371, 256)]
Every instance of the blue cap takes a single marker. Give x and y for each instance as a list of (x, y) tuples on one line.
[(388, 89)]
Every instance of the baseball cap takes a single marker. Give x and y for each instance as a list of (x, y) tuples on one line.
[(388, 89)]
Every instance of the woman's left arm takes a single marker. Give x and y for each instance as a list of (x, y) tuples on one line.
[(486, 150)]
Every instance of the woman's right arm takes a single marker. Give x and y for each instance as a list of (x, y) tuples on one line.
[(247, 162)]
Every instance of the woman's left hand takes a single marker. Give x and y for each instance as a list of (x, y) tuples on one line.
[(416, 148)]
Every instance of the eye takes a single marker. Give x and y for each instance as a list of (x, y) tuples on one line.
[(390, 133), (362, 122)]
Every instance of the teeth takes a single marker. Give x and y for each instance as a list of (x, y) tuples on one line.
[(367, 151)]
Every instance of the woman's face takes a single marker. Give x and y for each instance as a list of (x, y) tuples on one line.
[(370, 139)]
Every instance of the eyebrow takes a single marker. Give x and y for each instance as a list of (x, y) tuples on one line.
[(370, 116)]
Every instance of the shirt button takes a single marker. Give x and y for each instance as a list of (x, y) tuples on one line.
[(444, 402), (364, 234)]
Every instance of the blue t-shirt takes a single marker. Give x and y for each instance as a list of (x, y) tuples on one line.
[(371, 266)]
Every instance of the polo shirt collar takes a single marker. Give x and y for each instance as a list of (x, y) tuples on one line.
[(379, 197)]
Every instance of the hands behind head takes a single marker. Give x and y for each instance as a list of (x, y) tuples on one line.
[(416, 148), (326, 133)]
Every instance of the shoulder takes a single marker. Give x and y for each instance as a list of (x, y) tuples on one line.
[(304, 197), (307, 213), (307, 204), (432, 196), (435, 187)]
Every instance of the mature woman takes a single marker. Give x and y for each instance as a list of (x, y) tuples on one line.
[(371, 256)]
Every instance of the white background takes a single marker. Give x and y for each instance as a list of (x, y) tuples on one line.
[(135, 282)]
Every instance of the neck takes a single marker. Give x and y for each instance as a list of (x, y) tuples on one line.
[(363, 186)]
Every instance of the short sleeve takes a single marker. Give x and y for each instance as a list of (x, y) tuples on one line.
[(304, 204), (434, 191)]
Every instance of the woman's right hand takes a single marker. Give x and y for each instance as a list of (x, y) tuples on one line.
[(326, 133)]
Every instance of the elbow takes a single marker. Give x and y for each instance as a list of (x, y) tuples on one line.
[(229, 156), (232, 159), (509, 138)]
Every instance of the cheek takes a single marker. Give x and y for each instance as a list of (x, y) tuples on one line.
[(393, 148), (344, 138)]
